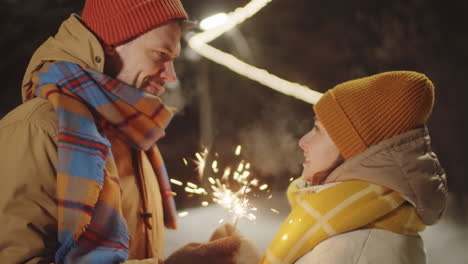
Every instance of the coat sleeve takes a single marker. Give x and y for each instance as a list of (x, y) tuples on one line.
[(28, 156)]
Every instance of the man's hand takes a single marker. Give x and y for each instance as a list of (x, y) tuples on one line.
[(223, 250), (226, 246), (248, 252), (225, 230)]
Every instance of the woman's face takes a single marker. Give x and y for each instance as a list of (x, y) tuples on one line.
[(320, 153)]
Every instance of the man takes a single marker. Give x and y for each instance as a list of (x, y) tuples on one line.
[(82, 179)]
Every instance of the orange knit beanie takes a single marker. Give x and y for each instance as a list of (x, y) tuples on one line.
[(116, 21), (362, 112)]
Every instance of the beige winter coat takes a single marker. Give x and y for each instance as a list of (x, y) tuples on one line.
[(406, 164), (28, 160)]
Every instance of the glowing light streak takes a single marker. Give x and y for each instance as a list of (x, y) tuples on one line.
[(211, 180), (254, 182), (227, 172), (274, 210), (263, 187), (201, 161), (214, 166), (185, 161), (240, 167), (213, 21), (199, 43), (190, 190), (236, 176), (183, 214), (176, 182), (238, 150), (191, 185), (195, 191)]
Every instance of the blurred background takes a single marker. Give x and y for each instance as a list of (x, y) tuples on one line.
[(315, 43)]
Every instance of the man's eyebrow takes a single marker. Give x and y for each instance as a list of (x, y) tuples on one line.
[(171, 52)]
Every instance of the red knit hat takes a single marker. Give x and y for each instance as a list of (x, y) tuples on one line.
[(116, 21)]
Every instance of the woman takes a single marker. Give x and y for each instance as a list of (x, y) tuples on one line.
[(370, 182)]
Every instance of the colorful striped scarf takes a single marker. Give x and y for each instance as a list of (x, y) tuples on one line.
[(90, 222), (320, 212)]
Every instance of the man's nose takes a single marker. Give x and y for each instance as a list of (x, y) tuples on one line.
[(168, 74)]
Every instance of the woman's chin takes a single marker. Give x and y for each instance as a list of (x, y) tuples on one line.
[(315, 178), (307, 176)]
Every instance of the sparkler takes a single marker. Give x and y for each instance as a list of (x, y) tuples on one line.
[(235, 203), (222, 189)]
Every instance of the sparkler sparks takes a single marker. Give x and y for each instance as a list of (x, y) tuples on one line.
[(183, 214), (176, 182), (274, 210), (214, 166), (201, 161), (238, 150), (229, 193), (227, 172)]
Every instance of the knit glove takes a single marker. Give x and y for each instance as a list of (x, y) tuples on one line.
[(248, 251), (222, 250)]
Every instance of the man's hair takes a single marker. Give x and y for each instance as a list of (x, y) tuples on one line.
[(187, 25)]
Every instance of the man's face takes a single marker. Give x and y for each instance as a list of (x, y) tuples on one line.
[(147, 62)]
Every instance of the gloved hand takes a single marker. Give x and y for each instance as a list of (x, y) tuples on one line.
[(226, 245), (248, 252), (223, 250)]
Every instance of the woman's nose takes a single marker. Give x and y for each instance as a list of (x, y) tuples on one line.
[(302, 142)]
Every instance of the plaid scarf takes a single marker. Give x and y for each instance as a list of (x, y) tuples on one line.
[(320, 212), (90, 222)]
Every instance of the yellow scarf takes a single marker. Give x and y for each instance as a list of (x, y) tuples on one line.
[(320, 212)]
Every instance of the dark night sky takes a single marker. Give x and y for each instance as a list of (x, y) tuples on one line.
[(315, 43)]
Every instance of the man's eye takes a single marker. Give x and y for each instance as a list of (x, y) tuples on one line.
[(160, 54)]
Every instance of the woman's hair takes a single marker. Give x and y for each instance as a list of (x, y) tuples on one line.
[(320, 177)]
